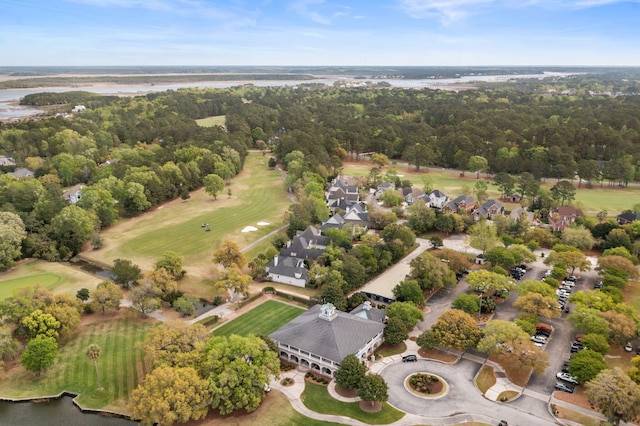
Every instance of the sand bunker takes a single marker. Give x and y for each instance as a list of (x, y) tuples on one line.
[(249, 229), (263, 223)]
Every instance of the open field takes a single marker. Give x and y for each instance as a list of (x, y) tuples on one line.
[(258, 199), (120, 364), (317, 398), (261, 320), (216, 120), (57, 277), (613, 199)]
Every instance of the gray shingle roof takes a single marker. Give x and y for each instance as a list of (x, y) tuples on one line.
[(334, 340)]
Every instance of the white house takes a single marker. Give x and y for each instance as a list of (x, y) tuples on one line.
[(287, 270), (73, 194)]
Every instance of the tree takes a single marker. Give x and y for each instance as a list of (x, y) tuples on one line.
[(408, 291), (431, 272), (488, 283), (168, 395), (578, 236), (477, 164), (588, 320), (172, 263), (373, 389), (38, 323), (596, 342), (634, 371), (106, 297), (213, 185), (593, 299), (500, 256), (125, 273), (572, 259), (186, 304), (480, 189), (238, 368), (144, 298), (524, 354), (500, 336), (427, 340), (101, 202), (421, 217), (229, 254), (93, 353), (83, 294), (457, 330), (332, 292), (618, 266), (563, 191), (586, 364), (615, 394), (406, 312), (234, 281), (469, 303), (483, 236), (622, 328), (379, 160), (12, 233), (40, 354), (506, 183), (534, 286), (395, 332), (9, 347), (538, 305), (175, 344), (391, 198), (350, 373), (396, 231), (458, 262), (72, 227)]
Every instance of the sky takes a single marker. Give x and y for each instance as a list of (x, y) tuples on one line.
[(319, 32)]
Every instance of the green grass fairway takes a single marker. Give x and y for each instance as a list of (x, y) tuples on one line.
[(317, 398), (257, 196), (120, 364), (57, 277), (263, 319), (216, 120)]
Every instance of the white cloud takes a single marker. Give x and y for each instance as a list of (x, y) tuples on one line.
[(304, 8), (445, 11)]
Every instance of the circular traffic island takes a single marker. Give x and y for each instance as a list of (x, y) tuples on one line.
[(426, 385)]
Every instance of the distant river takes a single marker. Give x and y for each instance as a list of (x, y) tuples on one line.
[(9, 110), (59, 412)]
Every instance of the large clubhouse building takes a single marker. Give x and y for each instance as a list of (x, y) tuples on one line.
[(321, 337)]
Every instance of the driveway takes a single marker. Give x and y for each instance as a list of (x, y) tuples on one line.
[(462, 397)]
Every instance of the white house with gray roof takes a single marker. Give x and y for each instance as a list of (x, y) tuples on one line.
[(321, 337), (287, 270)]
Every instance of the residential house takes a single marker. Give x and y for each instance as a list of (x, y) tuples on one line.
[(436, 199), (355, 217), (320, 338), (335, 221), (287, 270), (73, 194), (562, 217), (7, 161), (461, 204), (307, 244), (410, 195), (626, 217), (383, 187), (22, 173), (519, 212), (79, 108), (488, 210)]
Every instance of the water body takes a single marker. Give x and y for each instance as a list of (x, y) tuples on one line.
[(59, 412), (10, 111)]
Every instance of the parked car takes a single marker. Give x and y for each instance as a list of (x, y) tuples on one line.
[(628, 347), (565, 367), (503, 423), (564, 387), (638, 350), (572, 278), (567, 378), (599, 285), (545, 333), (409, 358), (576, 347), (266, 388), (539, 339), (538, 344)]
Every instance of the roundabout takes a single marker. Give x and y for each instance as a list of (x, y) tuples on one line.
[(426, 385)]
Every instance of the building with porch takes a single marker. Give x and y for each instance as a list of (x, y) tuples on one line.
[(320, 338)]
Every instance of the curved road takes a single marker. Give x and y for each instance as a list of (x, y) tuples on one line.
[(462, 397)]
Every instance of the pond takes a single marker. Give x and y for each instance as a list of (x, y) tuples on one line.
[(60, 412)]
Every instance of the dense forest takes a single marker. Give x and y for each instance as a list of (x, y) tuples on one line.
[(134, 153)]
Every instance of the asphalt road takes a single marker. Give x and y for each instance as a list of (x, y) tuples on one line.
[(462, 396)]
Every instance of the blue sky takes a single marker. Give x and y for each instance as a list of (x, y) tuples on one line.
[(319, 32)]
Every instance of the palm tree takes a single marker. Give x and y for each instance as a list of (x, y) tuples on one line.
[(93, 353)]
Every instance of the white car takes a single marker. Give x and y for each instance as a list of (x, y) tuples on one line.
[(539, 339), (567, 378), (629, 347)]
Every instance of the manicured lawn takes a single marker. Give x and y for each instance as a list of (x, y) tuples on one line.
[(317, 398), (632, 295), (263, 319), (120, 364), (57, 277), (485, 379), (257, 199), (216, 120)]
